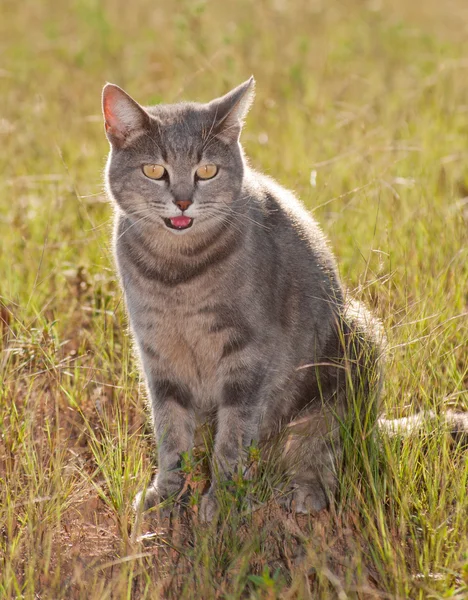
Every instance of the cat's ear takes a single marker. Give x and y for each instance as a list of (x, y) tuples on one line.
[(230, 110), (124, 118)]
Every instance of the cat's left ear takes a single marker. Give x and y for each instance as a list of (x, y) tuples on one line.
[(230, 110), (124, 118)]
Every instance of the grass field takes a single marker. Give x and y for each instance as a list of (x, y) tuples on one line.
[(362, 108)]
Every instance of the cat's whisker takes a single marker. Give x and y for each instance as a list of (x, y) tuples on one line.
[(100, 226), (239, 216), (226, 216), (143, 218), (230, 217)]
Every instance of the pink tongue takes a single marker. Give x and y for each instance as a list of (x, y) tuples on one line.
[(181, 221)]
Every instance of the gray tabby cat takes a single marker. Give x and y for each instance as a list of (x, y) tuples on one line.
[(233, 296)]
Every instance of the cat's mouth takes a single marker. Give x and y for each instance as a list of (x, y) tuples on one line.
[(179, 223)]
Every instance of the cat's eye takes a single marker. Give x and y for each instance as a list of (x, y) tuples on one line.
[(154, 171), (207, 171)]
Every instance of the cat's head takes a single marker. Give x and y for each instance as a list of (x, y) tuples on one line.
[(177, 167)]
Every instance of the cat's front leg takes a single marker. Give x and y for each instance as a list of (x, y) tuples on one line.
[(238, 420), (174, 425)]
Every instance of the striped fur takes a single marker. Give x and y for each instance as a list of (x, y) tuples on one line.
[(241, 316)]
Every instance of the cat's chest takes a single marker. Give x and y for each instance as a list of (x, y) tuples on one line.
[(180, 339), (185, 343)]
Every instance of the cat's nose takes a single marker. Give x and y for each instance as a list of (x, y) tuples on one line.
[(182, 204)]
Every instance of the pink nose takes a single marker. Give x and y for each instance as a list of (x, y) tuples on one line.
[(183, 204)]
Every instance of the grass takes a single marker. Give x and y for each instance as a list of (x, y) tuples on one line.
[(365, 100)]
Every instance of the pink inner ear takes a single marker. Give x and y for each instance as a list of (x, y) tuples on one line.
[(113, 120), (108, 114), (122, 115)]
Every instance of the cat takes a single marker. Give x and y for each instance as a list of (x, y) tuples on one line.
[(234, 300)]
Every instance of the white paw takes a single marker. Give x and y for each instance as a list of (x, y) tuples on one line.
[(147, 499), (154, 495)]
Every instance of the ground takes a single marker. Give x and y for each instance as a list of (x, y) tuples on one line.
[(362, 109)]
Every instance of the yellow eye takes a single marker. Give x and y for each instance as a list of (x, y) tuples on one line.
[(207, 171), (154, 171)]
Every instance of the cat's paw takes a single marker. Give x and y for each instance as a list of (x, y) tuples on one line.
[(147, 499), (305, 499), (310, 499), (209, 508), (155, 494)]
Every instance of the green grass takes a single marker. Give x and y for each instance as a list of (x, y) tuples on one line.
[(372, 96)]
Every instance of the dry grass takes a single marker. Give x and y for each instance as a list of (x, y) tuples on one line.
[(372, 96)]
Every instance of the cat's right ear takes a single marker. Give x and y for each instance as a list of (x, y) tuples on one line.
[(124, 118), (230, 111)]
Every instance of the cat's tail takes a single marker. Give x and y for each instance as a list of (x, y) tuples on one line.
[(456, 423), (364, 343)]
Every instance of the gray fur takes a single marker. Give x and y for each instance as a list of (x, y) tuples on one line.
[(241, 316)]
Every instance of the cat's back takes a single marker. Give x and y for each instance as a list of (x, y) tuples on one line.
[(291, 240)]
